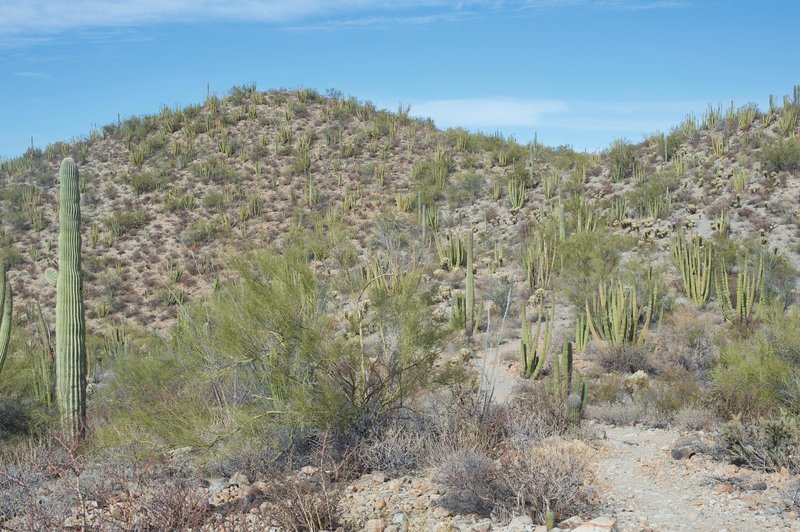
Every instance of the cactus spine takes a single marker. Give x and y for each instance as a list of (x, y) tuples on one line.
[(5, 324), (70, 323)]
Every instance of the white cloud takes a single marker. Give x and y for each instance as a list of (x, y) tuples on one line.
[(487, 112), (44, 16)]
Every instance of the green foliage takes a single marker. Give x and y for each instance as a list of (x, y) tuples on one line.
[(760, 375), (781, 155), (122, 222), (204, 230), (622, 159), (147, 182), (267, 353), (564, 388), (588, 259), (651, 198)]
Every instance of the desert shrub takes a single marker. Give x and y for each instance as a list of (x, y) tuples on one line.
[(622, 159), (532, 416), (759, 375), (642, 399), (122, 222), (471, 477), (465, 188), (587, 259), (204, 231), (627, 358), (651, 195), (781, 155), (147, 182), (766, 444), (687, 341), (618, 413), (554, 475), (677, 136), (779, 279)]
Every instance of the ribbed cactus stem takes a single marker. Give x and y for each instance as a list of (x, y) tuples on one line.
[(5, 324), (470, 296), (70, 322)]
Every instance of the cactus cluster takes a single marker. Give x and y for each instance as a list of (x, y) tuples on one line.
[(532, 351), (466, 313), (749, 289), (616, 316), (539, 260), (516, 193), (563, 388), (693, 258), (452, 250)]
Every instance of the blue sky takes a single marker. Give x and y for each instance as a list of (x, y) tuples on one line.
[(577, 72)]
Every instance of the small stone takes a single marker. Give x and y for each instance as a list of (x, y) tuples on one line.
[(441, 513), (380, 504), (685, 447), (378, 477), (395, 485), (603, 523), (375, 525), (573, 522), (239, 479)]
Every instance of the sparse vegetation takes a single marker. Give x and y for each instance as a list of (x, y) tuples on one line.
[(307, 289)]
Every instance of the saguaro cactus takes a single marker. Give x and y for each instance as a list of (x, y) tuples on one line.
[(5, 320), (70, 322)]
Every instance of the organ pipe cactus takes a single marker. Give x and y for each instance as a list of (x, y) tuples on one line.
[(5, 324), (617, 318), (531, 352), (692, 257), (562, 387), (749, 288), (70, 322)]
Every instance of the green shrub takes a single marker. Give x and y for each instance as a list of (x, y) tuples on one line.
[(760, 375), (781, 155), (622, 159), (587, 259), (203, 231), (123, 222)]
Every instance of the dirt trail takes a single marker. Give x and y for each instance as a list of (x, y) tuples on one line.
[(645, 489)]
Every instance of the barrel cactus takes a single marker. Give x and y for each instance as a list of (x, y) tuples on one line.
[(70, 321)]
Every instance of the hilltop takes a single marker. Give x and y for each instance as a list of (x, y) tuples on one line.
[(307, 256)]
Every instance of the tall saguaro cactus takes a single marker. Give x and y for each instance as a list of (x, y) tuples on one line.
[(5, 317), (70, 322)]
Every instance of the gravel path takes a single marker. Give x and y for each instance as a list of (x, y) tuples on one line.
[(645, 489)]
